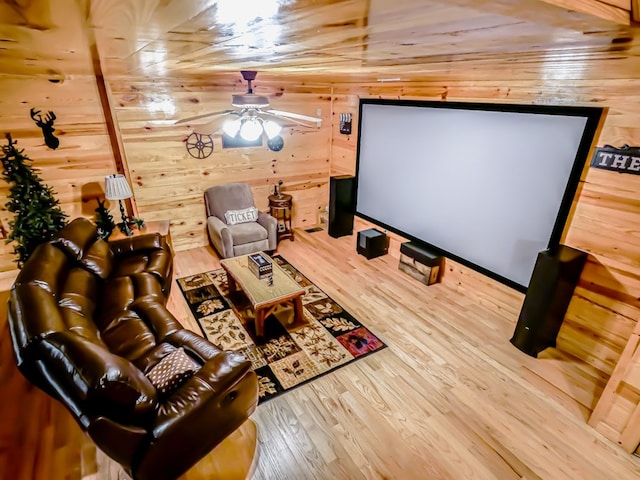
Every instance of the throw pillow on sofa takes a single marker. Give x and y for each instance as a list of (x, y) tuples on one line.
[(233, 217), (172, 371)]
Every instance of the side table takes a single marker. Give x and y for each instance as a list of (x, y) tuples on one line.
[(280, 209), (159, 226)]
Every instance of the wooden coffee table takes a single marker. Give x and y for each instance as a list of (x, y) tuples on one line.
[(264, 297)]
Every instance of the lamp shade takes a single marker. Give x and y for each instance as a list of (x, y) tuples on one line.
[(251, 129), (117, 187), (271, 128), (231, 127)]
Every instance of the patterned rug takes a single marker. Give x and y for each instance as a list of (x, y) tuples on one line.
[(285, 357)]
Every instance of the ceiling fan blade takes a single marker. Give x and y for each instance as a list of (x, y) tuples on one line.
[(205, 115), (284, 122), (297, 116), (212, 127)]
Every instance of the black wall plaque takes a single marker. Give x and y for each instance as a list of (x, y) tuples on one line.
[(625, 159)]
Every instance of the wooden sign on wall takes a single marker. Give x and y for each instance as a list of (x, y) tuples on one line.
[(625, 159)]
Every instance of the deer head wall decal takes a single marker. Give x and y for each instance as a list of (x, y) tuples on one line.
[(47, 127)]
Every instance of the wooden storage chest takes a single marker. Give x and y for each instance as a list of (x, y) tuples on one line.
[(419, 262)]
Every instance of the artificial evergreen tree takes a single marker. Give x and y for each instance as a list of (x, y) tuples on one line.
[(38, 215)]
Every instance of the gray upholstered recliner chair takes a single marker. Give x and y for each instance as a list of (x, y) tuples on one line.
[(235, 226)]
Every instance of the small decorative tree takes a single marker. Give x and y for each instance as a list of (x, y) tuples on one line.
[(38, 215), (104, 220)]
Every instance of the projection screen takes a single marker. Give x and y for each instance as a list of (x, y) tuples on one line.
[(487, 185)]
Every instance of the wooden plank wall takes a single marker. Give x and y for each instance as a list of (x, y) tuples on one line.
[(46, 63), (604, 309), (168, 183), (76, 169)]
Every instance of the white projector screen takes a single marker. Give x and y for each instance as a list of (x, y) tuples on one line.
[(487, 185)]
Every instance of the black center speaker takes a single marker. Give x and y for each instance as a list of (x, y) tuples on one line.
[(342, 201)]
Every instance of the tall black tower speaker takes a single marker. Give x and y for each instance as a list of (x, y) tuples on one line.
[(342, 201), (554, 278)]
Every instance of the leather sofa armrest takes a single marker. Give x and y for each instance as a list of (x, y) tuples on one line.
[(197, 346), (216, 385), (220, 236), (271, 226), (95, 379), (138, 243), (224, 370), (33, 314), (199, 415)]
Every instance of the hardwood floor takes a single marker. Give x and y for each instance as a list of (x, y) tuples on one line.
[(450, 398)]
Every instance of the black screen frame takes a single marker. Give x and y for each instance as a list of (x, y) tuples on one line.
[(594, 116)]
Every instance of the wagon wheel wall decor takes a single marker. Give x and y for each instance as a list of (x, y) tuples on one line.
[(199, 145)]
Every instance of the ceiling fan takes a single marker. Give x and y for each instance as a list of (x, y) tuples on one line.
[(252, 116)]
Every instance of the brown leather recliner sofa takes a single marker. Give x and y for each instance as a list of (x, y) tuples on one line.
[(88, 323)]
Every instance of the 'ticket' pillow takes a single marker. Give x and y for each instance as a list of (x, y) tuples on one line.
[(233, 217), (172, 371)]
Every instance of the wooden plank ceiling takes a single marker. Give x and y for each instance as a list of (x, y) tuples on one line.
[(334, 40), (355, 40)]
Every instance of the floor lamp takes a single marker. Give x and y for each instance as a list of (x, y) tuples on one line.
[(117, 188)]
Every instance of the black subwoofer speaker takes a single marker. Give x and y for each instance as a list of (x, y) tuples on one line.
[(372, 243), (342, 200), (554, 278)]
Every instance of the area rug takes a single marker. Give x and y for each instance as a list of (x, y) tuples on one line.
[(286, 357)]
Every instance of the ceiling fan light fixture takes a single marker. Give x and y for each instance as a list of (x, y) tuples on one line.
[(254, 110), (271, 128), (249, 100), (231, 127), (250, 129)]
